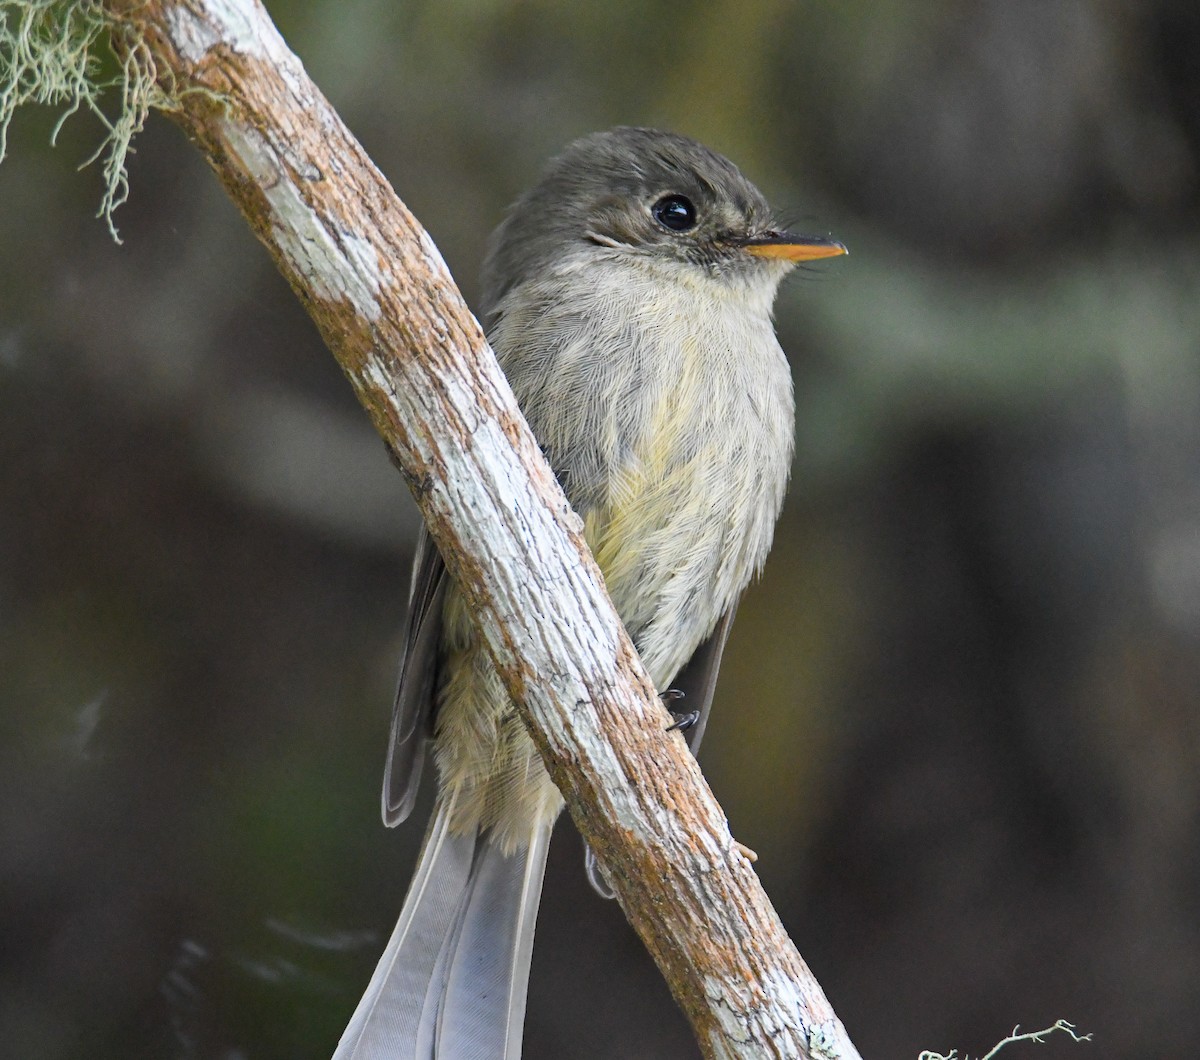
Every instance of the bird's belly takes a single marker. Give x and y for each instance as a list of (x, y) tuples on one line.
[(687, 521)]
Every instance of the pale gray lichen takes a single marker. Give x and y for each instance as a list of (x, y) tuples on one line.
[(1013, 1039), (51, 54)]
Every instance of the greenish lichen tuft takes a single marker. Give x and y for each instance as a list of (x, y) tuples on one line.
[(50, 54)]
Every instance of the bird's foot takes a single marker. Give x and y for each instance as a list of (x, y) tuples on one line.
[(685, 719)]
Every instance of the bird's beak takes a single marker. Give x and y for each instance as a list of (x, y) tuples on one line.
[(792, 247)]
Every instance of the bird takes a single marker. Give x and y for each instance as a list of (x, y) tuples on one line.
[(628, 296)]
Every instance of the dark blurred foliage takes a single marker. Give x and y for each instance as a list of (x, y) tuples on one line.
[(958, 715)]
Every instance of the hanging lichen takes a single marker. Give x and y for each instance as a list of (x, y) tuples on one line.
[(53, 53)]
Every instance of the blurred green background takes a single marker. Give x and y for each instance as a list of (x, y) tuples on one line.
[(958, 716)]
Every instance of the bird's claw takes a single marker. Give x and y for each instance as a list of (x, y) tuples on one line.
[(685, 722), (684, 719)]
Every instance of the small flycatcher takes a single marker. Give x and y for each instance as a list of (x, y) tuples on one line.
[(628, 297)]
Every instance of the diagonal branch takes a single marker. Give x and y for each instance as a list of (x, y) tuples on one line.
[(378, 290)]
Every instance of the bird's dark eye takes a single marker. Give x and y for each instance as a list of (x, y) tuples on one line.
[(675, 212)]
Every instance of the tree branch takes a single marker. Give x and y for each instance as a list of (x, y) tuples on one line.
[(378, 290)]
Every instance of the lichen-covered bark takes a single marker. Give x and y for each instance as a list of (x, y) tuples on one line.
[(385, 303)]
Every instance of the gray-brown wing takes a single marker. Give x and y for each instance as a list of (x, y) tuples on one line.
[(412, 712), (697, 681), (698, 678)]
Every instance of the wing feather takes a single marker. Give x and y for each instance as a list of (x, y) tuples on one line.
[(412, 711)]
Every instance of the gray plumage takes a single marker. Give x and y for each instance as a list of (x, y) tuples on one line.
[(628, 297)]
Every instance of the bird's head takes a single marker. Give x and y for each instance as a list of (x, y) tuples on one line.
[(648, 197)]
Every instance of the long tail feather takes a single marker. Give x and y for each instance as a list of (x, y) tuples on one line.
[(483, 1004), (453, 978)]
